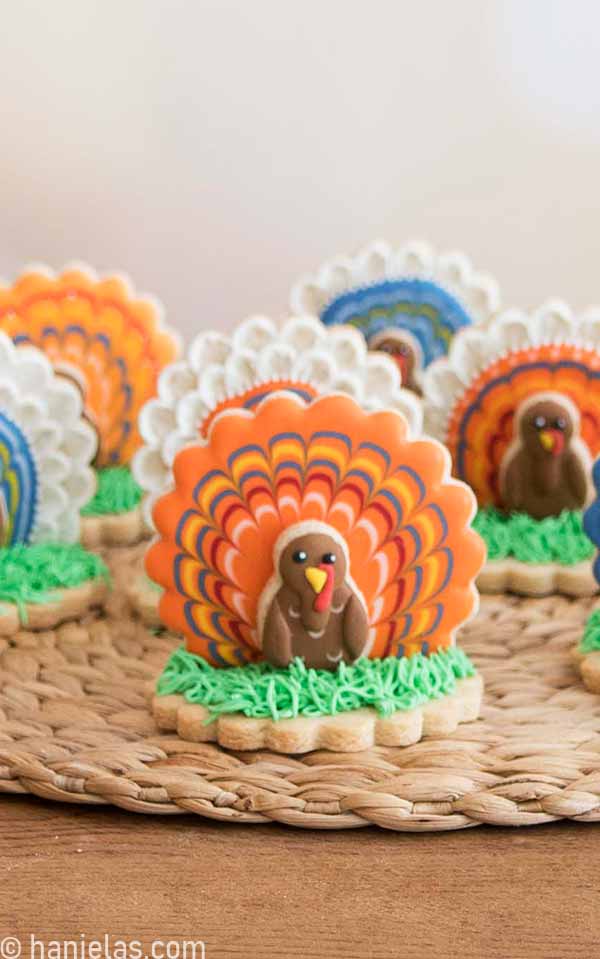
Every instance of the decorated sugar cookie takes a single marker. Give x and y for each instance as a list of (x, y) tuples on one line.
[(111, 346), (587, 652), (408, 303), (46, 447), (318, 562), (518, 406), (225, 371)]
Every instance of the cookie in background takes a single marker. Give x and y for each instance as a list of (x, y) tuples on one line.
[(111, 345), (46, 448), (518, 406), (407, 302)]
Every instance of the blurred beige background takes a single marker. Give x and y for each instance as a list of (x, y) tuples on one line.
[(215, 149)]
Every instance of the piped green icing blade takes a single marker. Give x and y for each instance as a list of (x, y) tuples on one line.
[(117, 493), (556, 539), (264, 691), (34, 574)]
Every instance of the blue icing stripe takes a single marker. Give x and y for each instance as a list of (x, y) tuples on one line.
[(435, 508), (326, 464), (332, 435), (376, 449), (415, 477), (361, 475), (188, 611), (241, 451), (591, 519), (18, 480), (387, 494), (424, 308), (289, 465), (282, 437)]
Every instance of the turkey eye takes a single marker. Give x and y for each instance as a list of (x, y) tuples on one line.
[(299, 556), (539, 422), (561, 423), (328, 558)]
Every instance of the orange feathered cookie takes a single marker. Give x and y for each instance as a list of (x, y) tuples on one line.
[(317, 534), (112, 345)]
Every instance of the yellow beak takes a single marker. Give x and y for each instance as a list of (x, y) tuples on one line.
[(316, 577), (547, 440)]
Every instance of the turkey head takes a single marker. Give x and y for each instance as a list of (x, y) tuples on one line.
[(546, 466), (405, 352), (316, 612)]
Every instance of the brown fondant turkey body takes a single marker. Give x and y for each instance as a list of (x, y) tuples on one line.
[(316, 613), (545, 473)]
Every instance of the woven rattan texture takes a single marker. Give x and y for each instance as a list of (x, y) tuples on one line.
[(75, 727)]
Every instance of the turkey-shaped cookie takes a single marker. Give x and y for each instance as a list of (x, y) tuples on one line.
[(314, 519), (112, 346), (298, 540), (46, 448), (518, 406), (407, 302)]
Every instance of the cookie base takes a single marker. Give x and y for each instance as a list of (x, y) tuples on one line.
[(345, 733), (588, 665), (536, 580), (143, 599), (113, 529), (66, 604)]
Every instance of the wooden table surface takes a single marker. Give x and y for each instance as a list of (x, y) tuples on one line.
[(79, 873)]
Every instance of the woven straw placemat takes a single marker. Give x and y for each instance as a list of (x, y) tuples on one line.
[(75, 727)]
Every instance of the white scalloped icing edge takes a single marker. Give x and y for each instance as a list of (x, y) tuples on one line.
[(48, 411), (220, 367), (95, 277), (477, 292), (351, 731), (473, 350)]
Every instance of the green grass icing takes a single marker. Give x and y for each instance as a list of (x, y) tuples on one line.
[(556, 539), (30, 574), (591, 634), (264, 691), (117, 492)]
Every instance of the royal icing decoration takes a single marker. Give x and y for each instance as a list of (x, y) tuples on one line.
[(238, 370), (518, 406), (46, 447), (95, 332), (407, 302), (316, 531)]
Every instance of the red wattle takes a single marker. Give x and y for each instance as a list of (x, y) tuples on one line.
[(323, 600), (559, 442), (402, 364)]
